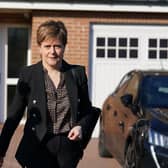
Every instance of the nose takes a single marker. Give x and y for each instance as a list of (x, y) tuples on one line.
[(52, 49)]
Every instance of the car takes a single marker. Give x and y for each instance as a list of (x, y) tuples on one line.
[(134, 121)]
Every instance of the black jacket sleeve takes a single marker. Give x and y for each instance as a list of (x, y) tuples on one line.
[(15, 113)]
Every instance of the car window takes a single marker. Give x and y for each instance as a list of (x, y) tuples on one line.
[(129, 85), (154, 92), (133, 86)]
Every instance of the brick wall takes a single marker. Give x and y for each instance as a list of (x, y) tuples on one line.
[(78, 25), (78, 36)]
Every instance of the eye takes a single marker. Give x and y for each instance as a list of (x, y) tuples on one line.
[(58, 46), (47, 46)]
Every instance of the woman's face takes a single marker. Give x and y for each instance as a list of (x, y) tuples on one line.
[(52, 51)]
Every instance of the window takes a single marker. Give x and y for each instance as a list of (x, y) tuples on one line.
[(158, 48), (122, 42), (17, 50), (14, 54), (111, 52), (100, 43), (133, 50), (121, 48), (112, 42), (18, 38)]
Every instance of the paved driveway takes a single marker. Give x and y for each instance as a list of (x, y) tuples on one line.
[(91, 158)]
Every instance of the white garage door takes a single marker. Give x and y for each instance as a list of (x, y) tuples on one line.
[(117, 49)]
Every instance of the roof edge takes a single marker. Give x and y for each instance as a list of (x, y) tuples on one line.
[(83, 7)]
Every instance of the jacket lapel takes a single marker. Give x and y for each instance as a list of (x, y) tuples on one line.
[(71, 89), (40, 97)]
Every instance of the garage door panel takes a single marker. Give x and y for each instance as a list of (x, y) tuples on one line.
[(107, 79)]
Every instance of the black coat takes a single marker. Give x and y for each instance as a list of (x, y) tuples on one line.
[(30, 93)]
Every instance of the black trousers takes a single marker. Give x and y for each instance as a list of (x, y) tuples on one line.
[(57, 152)]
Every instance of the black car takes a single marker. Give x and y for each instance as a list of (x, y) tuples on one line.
[(134, 121)]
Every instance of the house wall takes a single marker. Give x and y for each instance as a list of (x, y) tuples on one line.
[(78, 50), (78, 25)]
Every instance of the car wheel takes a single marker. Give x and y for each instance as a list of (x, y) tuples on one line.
[(103, 152), (132, 159)]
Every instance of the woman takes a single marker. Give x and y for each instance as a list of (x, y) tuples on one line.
[(59, 114)]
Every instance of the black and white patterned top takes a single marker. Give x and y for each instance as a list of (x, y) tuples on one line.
[(59, 117)]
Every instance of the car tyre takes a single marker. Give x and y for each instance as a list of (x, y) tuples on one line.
[(103, 152), (132, 158)]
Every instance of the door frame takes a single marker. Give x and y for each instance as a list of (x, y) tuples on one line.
[(4, 68), (3, 73)]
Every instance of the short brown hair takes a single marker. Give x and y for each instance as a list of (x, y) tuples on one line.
[(52, 29)]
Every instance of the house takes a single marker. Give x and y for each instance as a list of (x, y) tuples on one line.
[(109, 37)]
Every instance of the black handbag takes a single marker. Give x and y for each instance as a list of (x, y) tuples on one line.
[(94, 118)]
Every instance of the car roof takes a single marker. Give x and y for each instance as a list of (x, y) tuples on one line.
[(149, 72)]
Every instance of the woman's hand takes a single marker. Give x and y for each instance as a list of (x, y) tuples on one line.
[(75, 133), (1, 161)]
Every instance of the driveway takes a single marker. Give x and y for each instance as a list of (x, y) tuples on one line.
[(90, 159)]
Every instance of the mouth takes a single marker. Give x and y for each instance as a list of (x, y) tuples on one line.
[(53, 57)]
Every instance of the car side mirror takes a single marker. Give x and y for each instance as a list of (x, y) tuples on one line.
[(127, 100)]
